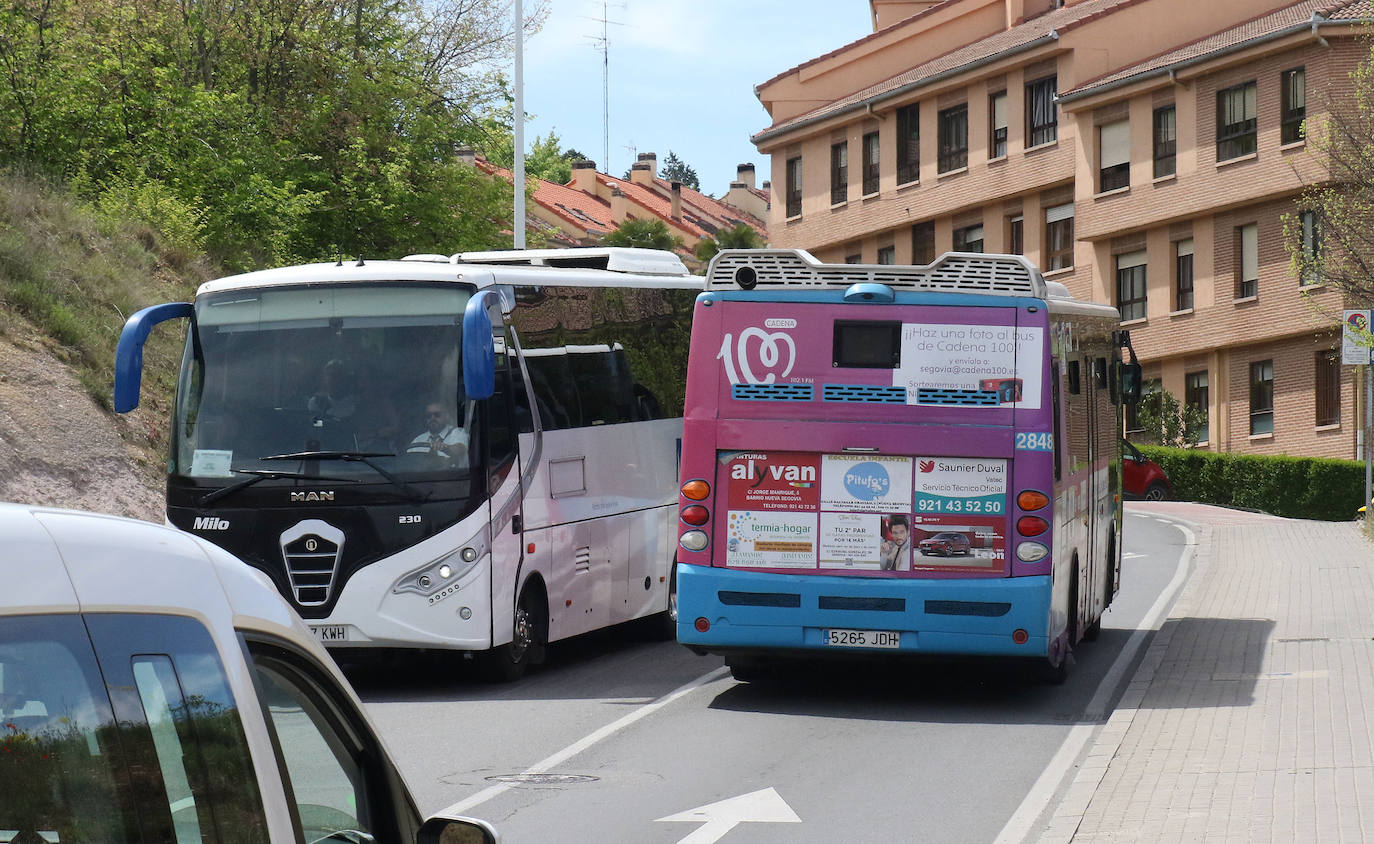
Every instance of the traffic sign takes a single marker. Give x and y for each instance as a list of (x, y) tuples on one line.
[(1355, 337)]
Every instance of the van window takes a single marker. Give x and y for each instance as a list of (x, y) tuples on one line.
[(61, 768)]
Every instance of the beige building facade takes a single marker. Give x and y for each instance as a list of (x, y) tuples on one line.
[(1149, 154)]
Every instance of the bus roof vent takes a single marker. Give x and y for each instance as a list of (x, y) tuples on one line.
[(952, 272), (614, 258)]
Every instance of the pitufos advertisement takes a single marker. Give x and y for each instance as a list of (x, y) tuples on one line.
[(866, 483)]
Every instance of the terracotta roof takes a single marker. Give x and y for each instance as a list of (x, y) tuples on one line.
[(723, 214), (1256, 29), (762, 194), (1022, 36), (659, 206), (581, 210)]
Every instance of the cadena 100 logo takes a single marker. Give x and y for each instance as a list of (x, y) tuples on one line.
[(867, 481)]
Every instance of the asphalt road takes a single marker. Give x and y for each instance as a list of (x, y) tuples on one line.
[(619, 738)]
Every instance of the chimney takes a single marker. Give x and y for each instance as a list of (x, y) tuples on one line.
[(641, 173), (745, 173), (650, 159), (619, 206), (676, 213), (584, 176), (467, 155), (766, 187)]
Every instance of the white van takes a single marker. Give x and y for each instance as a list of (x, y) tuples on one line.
[(155, 689)]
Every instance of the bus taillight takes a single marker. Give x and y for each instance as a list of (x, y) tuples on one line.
[(695, 515), (1032, 499), (1031, 525), (696, 490), (694, 540)]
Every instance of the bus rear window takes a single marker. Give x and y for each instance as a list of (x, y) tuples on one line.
[(868, 344)]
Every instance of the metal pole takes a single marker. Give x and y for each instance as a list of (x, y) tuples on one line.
[(519, 125), (1368, 452)]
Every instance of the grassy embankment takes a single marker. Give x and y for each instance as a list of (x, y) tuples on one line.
[(69, 278)]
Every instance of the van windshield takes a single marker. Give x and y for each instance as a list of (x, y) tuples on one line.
[(370, 369)]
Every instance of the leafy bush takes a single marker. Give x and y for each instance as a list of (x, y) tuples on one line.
[(1293, 487)]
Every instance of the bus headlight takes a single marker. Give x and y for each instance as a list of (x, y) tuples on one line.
[(439, 573), (1031, 552), (693, 540)]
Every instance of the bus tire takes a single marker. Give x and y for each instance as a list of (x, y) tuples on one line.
[(508, 663), (1048, 671), (749, 669), (664, 624)]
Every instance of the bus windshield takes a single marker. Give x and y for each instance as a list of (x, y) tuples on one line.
[(368, 374)]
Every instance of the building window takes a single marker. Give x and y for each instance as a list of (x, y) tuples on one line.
[(1016, 235), (1165, 140), (854, 258), (1130, 285), (1148, 387), (1328, 395), (997, 125), (923, 243), (1183, 275), (1294, 100), (1262, 397), (871, 152), (1310, 261), (908, 144), (1042, 115), (1236, 121), (1059, 237), (887, 255), (968, 239), (1114, 156), (1247, 265), (953, 138), (1195, 396), (794, 186), (839, 173)]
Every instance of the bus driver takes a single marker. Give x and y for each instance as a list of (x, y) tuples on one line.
[(440, 437)]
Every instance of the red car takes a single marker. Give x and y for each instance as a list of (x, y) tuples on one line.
[(1142, 477), (945, 544)]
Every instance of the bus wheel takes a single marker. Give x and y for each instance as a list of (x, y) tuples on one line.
[(664, 624), (749, 669), (507, 663)]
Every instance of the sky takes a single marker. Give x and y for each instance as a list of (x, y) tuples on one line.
[(682, 75)]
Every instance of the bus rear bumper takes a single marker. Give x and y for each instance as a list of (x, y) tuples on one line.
[(766, 612)]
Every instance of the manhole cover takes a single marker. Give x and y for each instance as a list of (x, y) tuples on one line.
[(544, 779)]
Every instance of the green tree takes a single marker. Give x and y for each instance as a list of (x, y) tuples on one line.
[(1330, 239), (648, 234), (742, 236), (676, 170), (1164, 421), (547, 161)]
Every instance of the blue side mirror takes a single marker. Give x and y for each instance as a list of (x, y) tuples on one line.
[(479, 353), (129, 352)]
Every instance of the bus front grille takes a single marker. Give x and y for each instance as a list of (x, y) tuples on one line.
[(864, 393), (311, 550)]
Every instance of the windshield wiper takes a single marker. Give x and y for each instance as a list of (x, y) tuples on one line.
[(363, 457), (256, 475)]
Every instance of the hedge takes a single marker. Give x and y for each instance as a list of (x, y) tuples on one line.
[(1293, 487)]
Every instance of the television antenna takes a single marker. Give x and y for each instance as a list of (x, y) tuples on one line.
[(602, 42)]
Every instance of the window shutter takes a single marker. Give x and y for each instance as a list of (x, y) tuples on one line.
[(1115, 140)]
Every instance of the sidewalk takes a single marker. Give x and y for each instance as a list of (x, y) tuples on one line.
[(1249, 719)]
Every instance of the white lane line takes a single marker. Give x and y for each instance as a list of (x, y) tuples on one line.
[(551, 762), (1018, 827)]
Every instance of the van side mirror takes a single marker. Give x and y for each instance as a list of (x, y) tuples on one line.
[(456, 830), (1130, 383), (479, 352)]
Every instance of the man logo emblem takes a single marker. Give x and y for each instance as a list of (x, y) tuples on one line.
[(312, 545)]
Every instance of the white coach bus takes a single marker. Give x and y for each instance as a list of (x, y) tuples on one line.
[(475, 453)]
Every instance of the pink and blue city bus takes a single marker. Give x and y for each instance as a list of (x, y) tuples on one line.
[(898, 460)]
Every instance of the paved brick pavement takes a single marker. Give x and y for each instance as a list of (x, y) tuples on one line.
[(1248, 719)]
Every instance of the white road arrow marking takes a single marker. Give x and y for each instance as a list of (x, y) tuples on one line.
[(764, 806)]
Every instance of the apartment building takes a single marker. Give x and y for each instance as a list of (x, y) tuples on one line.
[(1146, 153)]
